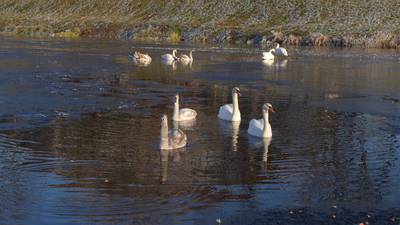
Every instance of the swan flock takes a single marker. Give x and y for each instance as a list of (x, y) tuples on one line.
[(175, 138)]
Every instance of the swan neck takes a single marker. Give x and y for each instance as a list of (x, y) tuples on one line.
[(190, 55), (266, 123), (236, 111), (175, 116)]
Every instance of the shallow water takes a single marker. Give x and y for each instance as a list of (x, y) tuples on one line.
[(79, 129)]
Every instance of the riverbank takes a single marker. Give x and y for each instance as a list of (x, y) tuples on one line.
[(343, 24)]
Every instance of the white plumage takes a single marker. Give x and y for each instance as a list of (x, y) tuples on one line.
[(280, 51), (261, 127), (170, 57), (268, 55), (184, 114), (231, 112), (256, 128)]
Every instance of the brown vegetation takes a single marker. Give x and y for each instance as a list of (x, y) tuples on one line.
[(295, 22)]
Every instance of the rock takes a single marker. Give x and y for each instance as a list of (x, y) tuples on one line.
[(307, 41), (337, 42)]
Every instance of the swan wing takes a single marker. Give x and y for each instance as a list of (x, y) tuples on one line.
[(256, 127), (184, 57), (281, 51), (268, 56), (225, 112), (187, 114), (177, 138), (141, 59), (167, 57)]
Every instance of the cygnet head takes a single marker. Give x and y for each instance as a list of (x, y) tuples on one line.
[(236, 90), (268, 107)]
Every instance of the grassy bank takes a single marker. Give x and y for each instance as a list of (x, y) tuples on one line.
[(370, 23)]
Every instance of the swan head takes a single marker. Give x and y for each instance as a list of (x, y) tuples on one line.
[(176, 98), (236, 90), (164, 120), (267, 107), (174, 52)]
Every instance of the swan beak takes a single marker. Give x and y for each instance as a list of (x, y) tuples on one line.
[(271, 109), (238, 92)]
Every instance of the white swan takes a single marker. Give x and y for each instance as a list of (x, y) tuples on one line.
[(170, 57), (171, 139), (280, 51), (269, 55), (231, 112), (186, 59), (261, 128), (184, 114), (140, 58)]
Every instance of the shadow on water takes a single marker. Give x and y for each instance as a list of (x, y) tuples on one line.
[(80, 128)]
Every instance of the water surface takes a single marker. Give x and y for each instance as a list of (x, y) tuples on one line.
[(80, 123)]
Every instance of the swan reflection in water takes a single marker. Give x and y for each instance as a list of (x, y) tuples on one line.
[(171, 64), (164, 160), (279, 64), (264, 143), (268, 62), (231, 129)]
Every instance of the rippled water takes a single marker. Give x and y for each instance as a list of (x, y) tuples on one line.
[(79, 130)]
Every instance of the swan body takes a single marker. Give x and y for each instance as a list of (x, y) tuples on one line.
[(280, 51), (185, 59), (140, 58), (261, 128), (170, 57), (231, 112), (269, 55), (171, 139), (184, 114)]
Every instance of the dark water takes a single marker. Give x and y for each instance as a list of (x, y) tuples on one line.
[(79, 129)]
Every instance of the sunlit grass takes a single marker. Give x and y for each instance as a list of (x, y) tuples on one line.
[(367, 23)]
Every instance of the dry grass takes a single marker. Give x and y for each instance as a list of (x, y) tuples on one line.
[(372, 23)]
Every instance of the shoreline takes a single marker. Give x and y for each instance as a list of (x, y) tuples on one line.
[(156, 33)]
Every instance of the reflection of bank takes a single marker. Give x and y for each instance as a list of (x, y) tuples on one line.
[(164, 159), (255, 142), (230, 129)]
